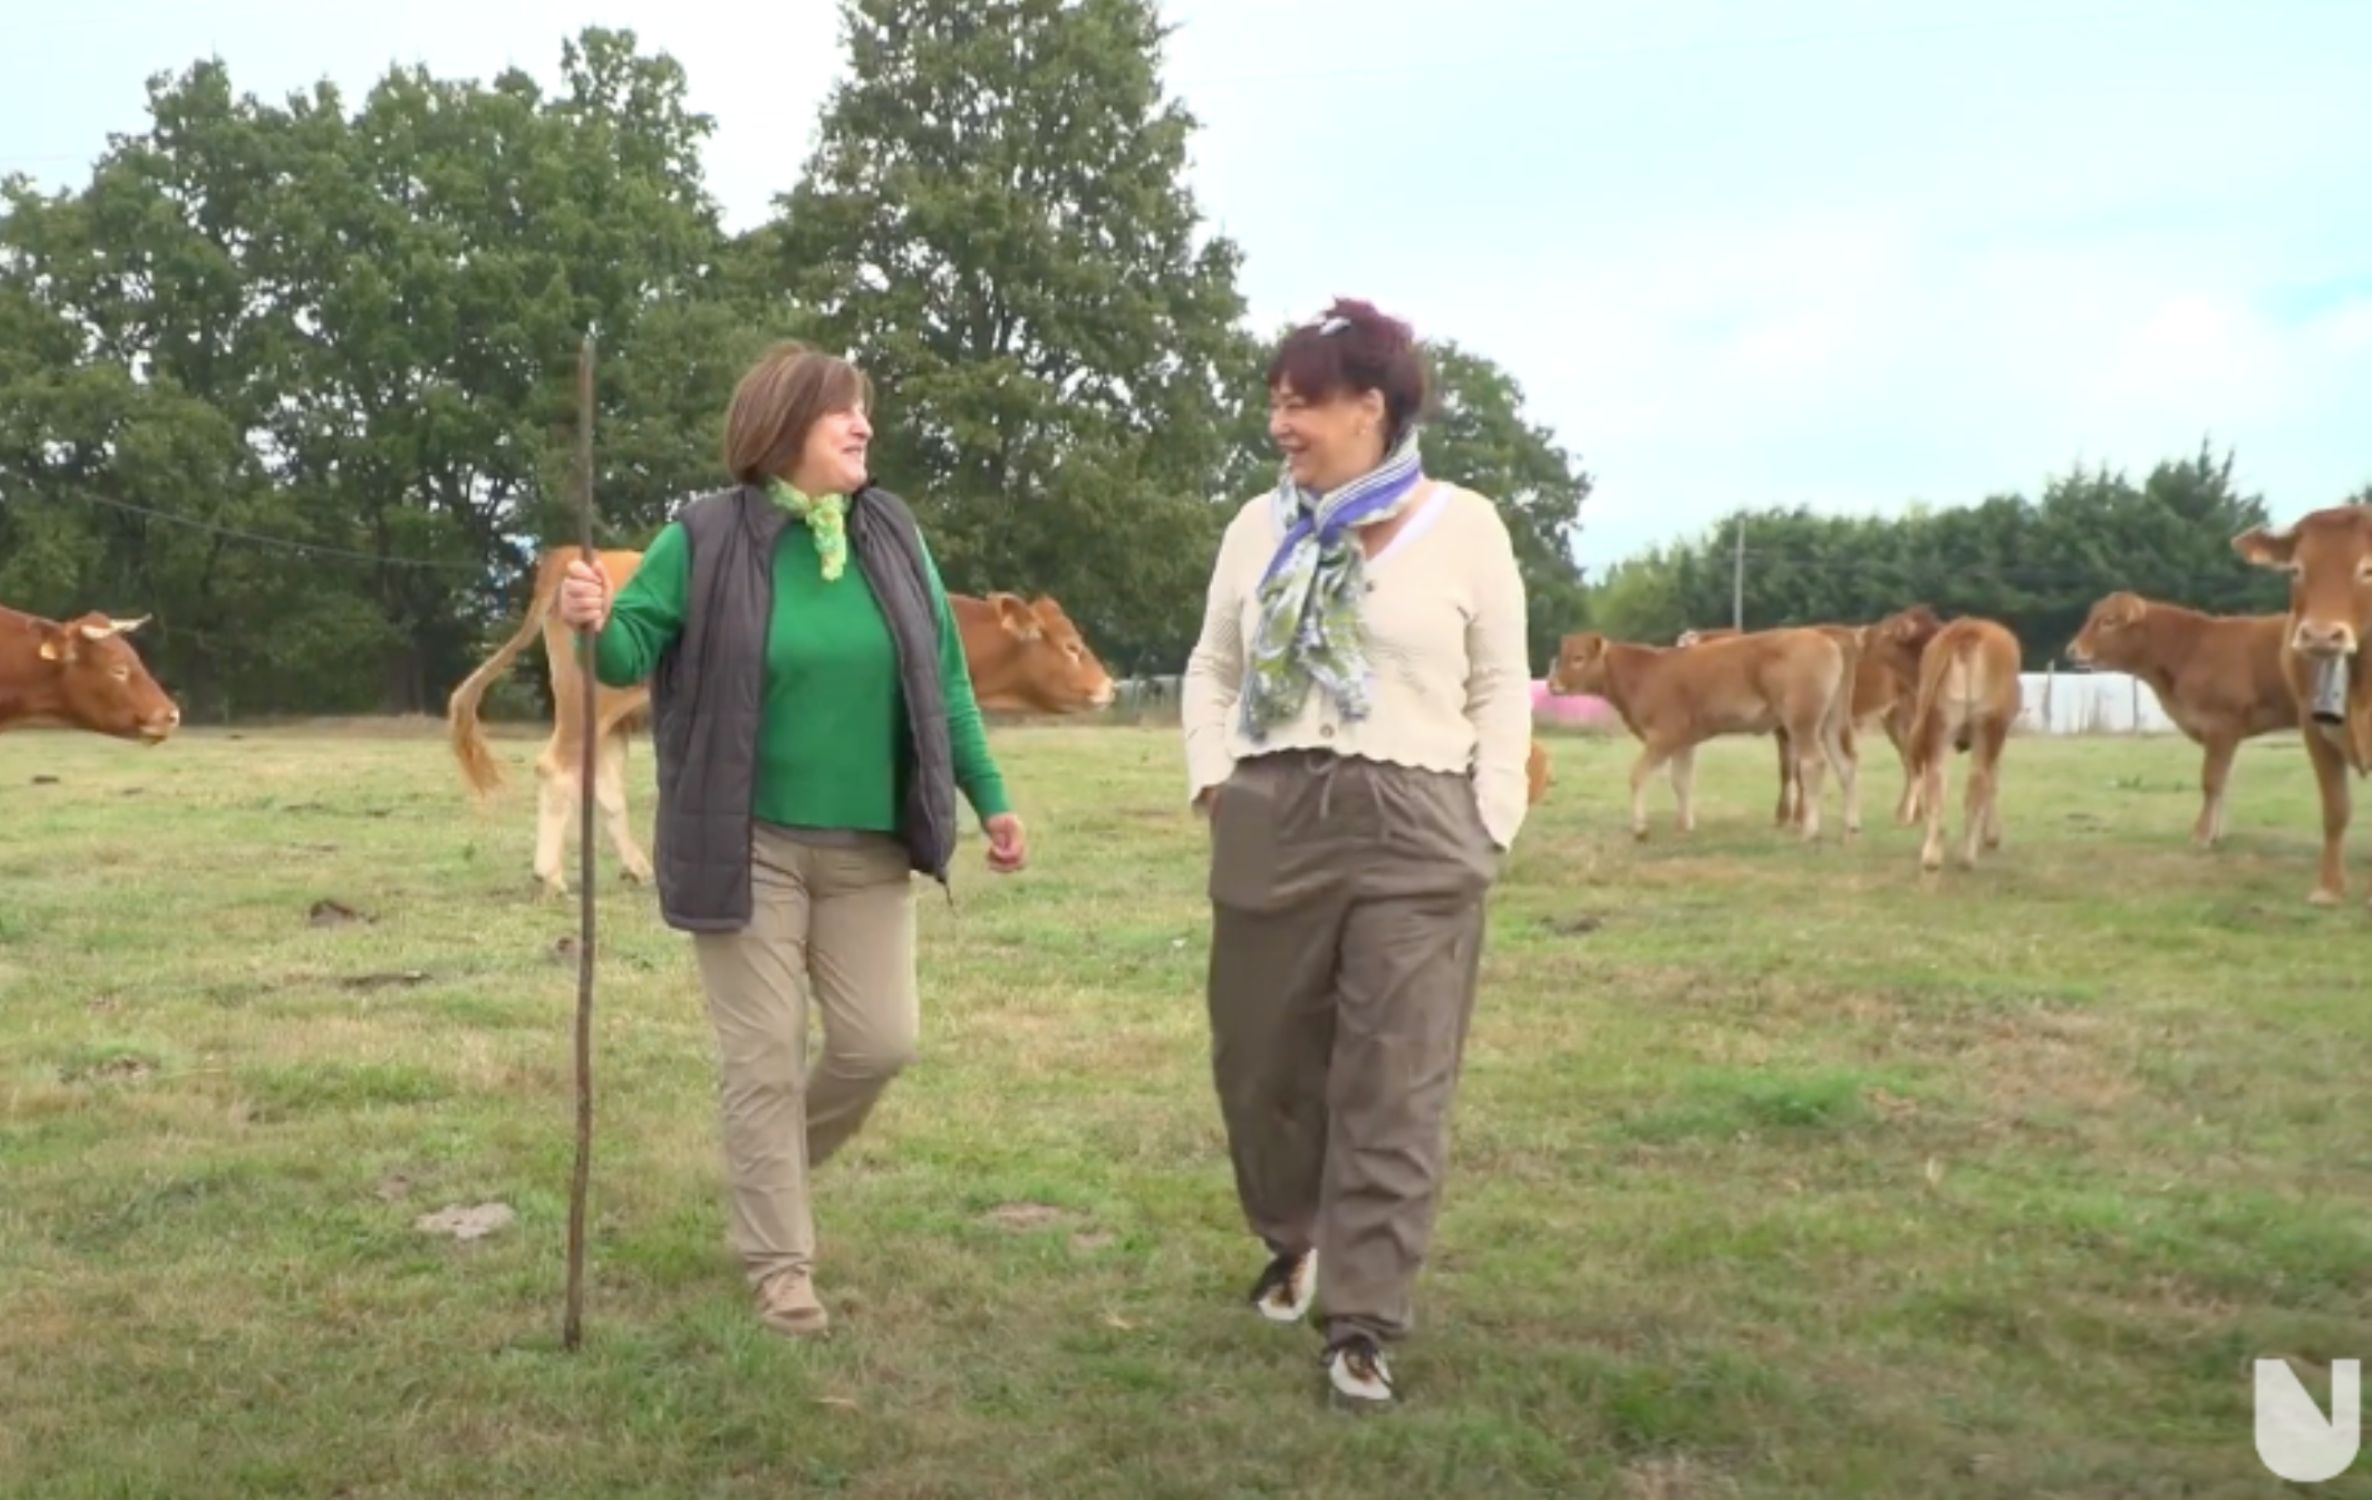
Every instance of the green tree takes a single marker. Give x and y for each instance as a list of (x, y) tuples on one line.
[(2037, 566), (358, 331), (995, 223), (1481, 438)]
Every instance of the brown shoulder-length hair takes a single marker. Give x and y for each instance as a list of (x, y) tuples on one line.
[(789, 389), (1352, 348)]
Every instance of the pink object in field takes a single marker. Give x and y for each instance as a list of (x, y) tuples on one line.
[(1581, 711)]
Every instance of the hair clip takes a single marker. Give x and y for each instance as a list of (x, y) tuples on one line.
[(1333, 325)]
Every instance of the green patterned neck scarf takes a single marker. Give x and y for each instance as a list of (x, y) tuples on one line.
[(825, 515), (1309, 630)]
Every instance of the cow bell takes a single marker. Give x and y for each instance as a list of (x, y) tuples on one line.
[(2330, 690)]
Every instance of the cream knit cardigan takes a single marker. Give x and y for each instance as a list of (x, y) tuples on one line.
[(1444, 620)]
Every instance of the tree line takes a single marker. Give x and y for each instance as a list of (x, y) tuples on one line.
[(296, 378), (2035, 564)]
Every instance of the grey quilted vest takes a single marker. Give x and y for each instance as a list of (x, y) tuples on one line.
[(708, 695)]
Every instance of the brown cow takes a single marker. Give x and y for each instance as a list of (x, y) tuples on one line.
[(1675, 698), (2218, 676), (1023, 655), (1968, 698), (1027, 657), (1888, 689), (1885, 664), (81, 674), (2328, 555)]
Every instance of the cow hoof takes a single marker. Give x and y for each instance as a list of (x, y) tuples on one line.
[(638, 874), (2323, 897)]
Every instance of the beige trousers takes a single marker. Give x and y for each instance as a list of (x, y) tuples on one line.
[(831, 921), (1346, 938)]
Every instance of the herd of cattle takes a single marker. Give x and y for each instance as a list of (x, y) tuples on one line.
[(1927, 682)]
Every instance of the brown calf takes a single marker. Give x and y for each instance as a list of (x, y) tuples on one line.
[(1675, 698), (2328, 555), (1023, 656), (1885, 671), (2218, 676), (1968, 699), (618, 712)]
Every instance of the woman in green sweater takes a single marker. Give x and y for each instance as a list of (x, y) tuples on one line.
[(813, 717)]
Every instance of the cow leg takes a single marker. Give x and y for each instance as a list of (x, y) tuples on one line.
[(1931, 794), (555, 802), (1906, 807), (1982, 801), (2330, 779), (1684, 786), (1650, 757), (1791, 791), (1809, 749), (2213, 774), (1844, 758), (609, 788)]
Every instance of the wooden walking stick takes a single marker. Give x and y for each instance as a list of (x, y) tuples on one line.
[(571, 1326)]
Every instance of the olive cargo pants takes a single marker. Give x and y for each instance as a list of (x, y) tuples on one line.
[(1347, 923)]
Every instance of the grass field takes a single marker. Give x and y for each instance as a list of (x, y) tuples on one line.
[(1776, 1172)]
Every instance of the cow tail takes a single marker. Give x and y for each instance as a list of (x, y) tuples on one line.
[(478, 765), (1934, 667)]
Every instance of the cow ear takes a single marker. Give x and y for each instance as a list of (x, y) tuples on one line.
[(2267, 549), (58, 645), (1014, 614)]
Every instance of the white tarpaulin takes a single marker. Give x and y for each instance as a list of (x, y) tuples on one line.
[(2089, 703)]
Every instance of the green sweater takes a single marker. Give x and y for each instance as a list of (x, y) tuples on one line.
[(833, 751)]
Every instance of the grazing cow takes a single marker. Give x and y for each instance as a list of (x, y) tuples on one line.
[(1675, 698), (1027, 657), (2218, 676), (2328, 555), (1885, 672), (1536, 774), (1968, 699), (81, 674), (1024, 656)]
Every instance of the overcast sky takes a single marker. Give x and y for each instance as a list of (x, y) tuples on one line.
[(1848, 253)]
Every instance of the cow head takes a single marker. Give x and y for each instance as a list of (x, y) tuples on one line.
[(2328, 555), (101, 684), (2110, 631), (1051, 668), (1901, 638), (1580, 666)]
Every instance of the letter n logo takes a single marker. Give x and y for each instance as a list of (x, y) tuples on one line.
[(2294, 1439)]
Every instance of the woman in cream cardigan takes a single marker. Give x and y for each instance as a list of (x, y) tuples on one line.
[(1357, 717)]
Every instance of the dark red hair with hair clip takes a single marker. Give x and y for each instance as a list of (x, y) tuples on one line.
[(1351, 348)]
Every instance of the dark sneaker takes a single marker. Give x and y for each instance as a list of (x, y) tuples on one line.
[(1284, 1291)]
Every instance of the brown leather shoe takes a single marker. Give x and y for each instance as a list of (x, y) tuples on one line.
[(787, 1304)]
